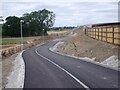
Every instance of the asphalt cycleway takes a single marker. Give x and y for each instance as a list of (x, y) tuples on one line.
[(46, 69)]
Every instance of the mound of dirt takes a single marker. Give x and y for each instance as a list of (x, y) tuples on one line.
[(78, 44)]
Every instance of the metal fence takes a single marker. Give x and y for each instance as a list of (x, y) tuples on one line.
[(109, 34)]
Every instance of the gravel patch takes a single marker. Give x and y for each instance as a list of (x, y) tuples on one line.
[(111, 61), (7, 68), (16, 78), (13, 71)]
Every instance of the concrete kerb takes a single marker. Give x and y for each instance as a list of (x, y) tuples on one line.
[(16, 78)]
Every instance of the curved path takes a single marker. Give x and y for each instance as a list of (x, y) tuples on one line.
[(46, 69)]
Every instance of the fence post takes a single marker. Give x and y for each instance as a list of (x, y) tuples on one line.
[(95, 33), (98, 33), (90, 32), (106, 34), (101, 34), (85, 30), (113, 34)]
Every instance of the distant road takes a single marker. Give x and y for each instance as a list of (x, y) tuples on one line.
[(45, 69)]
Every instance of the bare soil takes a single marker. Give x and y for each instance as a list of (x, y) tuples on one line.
[(83, 46)]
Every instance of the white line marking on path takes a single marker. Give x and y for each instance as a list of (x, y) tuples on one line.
[(81, 83)]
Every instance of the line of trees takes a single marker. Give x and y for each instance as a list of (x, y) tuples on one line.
[(35, 24), (62, 28)]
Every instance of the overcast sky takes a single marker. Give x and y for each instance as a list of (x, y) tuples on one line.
[(68, 12)]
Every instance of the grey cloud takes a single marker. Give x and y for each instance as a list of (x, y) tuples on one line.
[(67, 13)]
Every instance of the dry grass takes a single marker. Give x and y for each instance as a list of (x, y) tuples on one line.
[(56, 32)]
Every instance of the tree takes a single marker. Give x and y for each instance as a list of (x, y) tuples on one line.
[(1, 19), (33, 25), (11, 27), (39, 20)]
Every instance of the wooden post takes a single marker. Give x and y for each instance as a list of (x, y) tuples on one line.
[(113, 34), (101, 34), (90, 32), (98, 33), (95, 33), (106, 34), (85, 30)]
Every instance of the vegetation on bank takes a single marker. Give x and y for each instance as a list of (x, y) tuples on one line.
[(62, 28)]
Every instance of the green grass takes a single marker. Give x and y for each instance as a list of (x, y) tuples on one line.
[(11, 40), (5, 41), (17, 40)]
